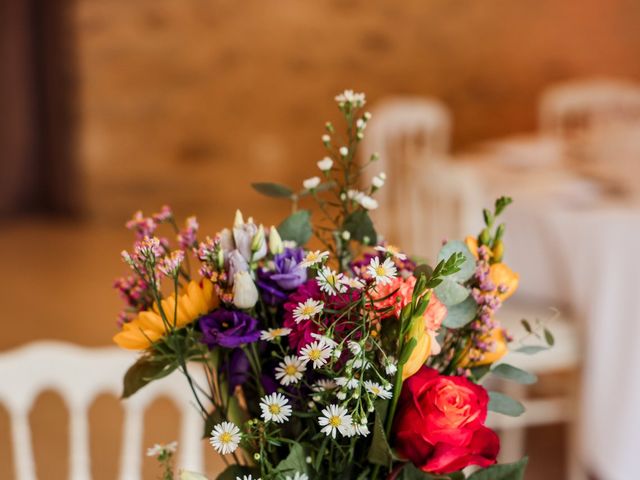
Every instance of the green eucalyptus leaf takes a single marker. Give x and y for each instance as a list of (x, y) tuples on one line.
[(297, 227), (461, 314), (504, 370), (548, 336), (501, 403), (469, 265), (272, 190), (450, 292), (527, 326), (361, 228), (506, 471), (143, 372), (531, 349)]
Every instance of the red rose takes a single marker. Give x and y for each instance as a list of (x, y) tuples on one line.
[(439, 424)]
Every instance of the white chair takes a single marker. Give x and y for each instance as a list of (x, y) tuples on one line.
[(402, 129), (572, 108), (79, 375)]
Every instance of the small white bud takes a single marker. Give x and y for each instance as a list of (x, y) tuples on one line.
[(367, 116), (245, 293), (326, 138), (346, 235), (275, 241), (344, 151), (325, 164), (311, 183), (378, 182), (239, 220)]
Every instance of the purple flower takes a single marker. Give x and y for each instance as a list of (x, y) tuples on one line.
[(228, 328), (286, 276), (236, 369)]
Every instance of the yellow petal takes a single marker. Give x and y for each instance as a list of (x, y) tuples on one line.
[(501, 275)]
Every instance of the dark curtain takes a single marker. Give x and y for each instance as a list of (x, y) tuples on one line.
[(38, 167)]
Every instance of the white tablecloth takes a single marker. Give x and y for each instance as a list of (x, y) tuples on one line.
[(573, 248)]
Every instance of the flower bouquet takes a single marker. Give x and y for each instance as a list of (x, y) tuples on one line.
[(346, 359)]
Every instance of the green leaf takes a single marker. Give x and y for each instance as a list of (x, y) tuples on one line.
[(380, 451), (411, 472), (295, 462), (469, 265), (450, 292), (214, 418), (527, 326), (548, 336), (297, 227), (501, 204), (144, 371), (423, 269), (504, 370), (506, 471), (461, 314), (273, 190), (531, 349), (501, 403), (234, 471), (407, 350), (360, 226)]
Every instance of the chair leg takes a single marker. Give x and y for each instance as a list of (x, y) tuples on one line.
[(574, 465)]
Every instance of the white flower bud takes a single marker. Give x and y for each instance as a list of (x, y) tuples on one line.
[(344, 151), (239, 220), (311, 183), (378, 182), (275, 241), (325, 164), (368, 203), (346, 235), (326, 138), (245, 293), (259, 244)]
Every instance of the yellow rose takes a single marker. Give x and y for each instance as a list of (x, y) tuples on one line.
[(498, 350), (502, 276)]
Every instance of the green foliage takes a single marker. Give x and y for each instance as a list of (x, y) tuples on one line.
[(380, 451), (506, 471), (411, 472), (461, 314), (144, 371), (450, 292), (501, 403), (296, 227), (501, 204), (234, 471), (548, 337), (273, 190), (504, 370), (466, 266), (361, 228), (295, 462), (531, 349)]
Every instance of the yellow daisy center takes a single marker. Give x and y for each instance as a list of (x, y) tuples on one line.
[(335, 421), (375, 390), (308, 310), (225, 437), (381, 271), (314, 354), (290, 370), (275, 409), (277, 332)]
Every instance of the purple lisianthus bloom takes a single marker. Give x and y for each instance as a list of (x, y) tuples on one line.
[(286, 276), (228, 328)]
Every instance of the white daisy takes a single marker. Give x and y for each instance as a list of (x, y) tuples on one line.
[(290, 370), (377, 390), (297, 476), (157, 449), (275, 407), (392, 251), (323, 338), (273, 333), (316, 352), (359, 363), (341, 395), (247, 477), (330, 281), (378, 181), (225, 437), (325, 164), (391, 368), (382, 272), (307, 309), (335, 419), (313, 257), (311, 183), (347, 382), (362, 429), (355, 347), (323, 385), (352, 282), (349, 96)]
